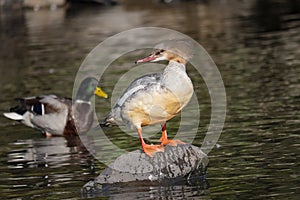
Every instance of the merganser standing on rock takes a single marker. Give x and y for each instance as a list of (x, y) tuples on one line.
[(155, 98)]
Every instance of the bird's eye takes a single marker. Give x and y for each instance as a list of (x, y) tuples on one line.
[(159, 52)]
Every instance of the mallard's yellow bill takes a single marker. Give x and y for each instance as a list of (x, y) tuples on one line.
[(99, 92)]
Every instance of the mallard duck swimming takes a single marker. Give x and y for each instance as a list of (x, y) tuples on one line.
[(154, 98), (57, 116)]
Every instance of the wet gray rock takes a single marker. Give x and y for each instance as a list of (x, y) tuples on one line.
[(182, 162), (174, 162)]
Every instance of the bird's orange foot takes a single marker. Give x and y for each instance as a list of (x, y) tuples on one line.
[(150, 150), (170, 142)]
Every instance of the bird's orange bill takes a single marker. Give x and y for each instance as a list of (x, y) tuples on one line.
[(99, 92), (147, 59)]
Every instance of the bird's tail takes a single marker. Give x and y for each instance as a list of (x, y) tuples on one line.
[(16, 113), (13, 116), (20, 109), (109, 121)]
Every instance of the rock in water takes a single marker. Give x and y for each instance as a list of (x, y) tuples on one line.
[(180, 162)]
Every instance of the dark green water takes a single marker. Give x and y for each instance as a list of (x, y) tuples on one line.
[(256, 46)]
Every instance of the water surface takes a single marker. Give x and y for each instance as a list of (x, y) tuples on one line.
[(256, 46)]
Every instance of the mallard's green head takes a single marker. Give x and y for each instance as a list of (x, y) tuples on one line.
[(88, 88)]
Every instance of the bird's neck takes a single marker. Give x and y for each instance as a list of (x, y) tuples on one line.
[(83, 96), (178, 60), (80, 101), (177, 66)]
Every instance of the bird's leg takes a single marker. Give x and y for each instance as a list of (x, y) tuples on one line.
[(48, 135), (164, 137), (150, 150)]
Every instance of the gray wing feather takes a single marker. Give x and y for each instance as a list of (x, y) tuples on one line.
[(115, 116), (139, 84)]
